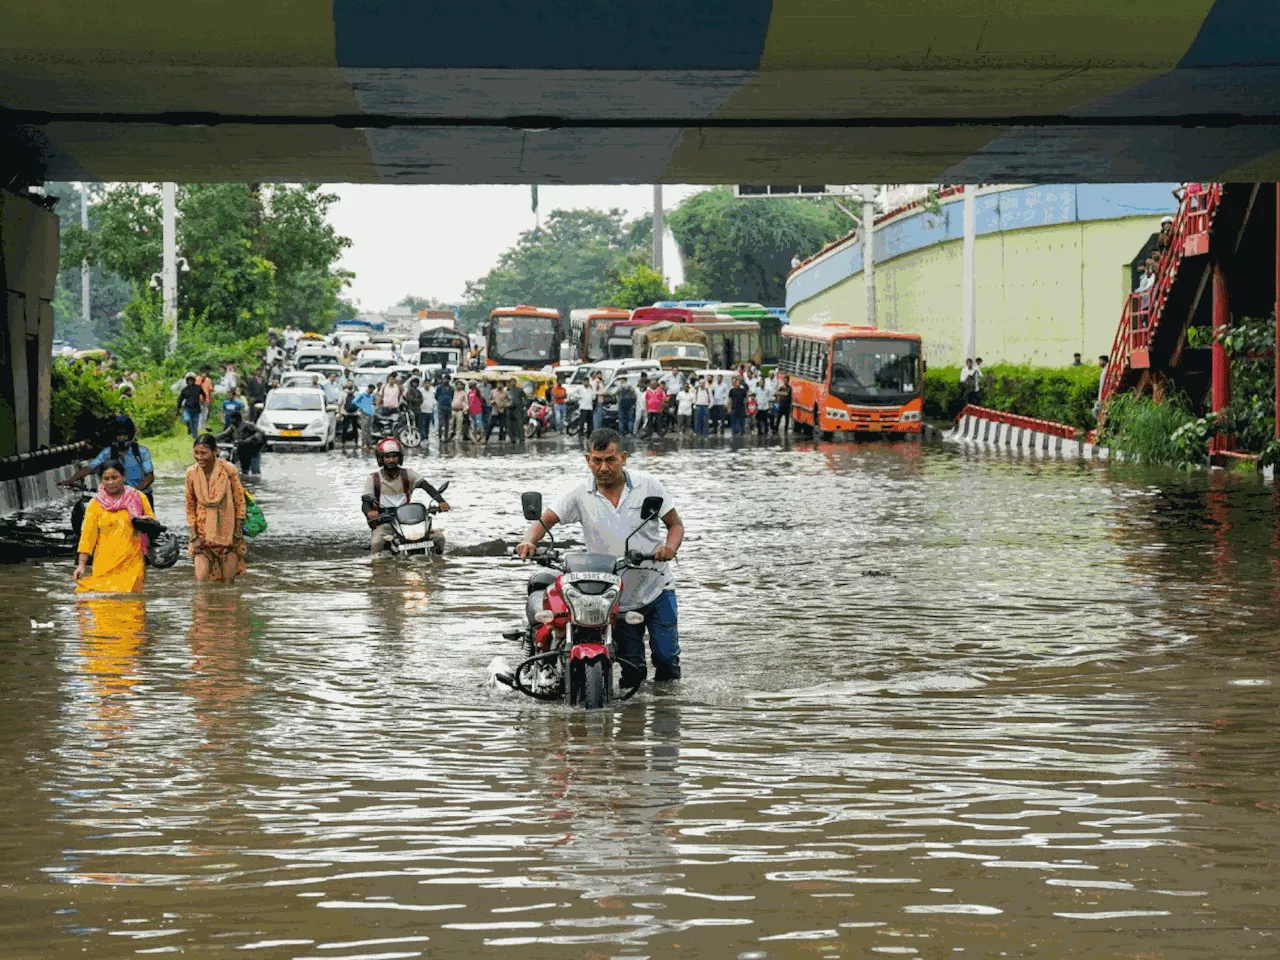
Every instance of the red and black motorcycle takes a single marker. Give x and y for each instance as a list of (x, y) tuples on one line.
[(571, 607)]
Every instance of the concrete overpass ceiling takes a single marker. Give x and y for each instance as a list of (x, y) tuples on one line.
[(788, 90)]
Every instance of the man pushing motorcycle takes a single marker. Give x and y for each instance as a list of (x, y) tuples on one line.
[(390, 486), (608, 507)]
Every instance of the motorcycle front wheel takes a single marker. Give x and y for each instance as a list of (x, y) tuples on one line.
[(410, 436), (595, 687), (530, 428)]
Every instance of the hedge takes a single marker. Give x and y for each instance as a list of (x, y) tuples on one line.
[(1061, 394)]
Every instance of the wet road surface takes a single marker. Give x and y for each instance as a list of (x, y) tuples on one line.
[(935, 705)]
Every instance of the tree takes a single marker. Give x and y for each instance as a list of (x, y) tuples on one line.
[(422, 303), (563, 265), (108, 291), (257, 256), (741, 249), (635, 284)]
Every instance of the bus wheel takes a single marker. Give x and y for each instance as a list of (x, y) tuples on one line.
[(824, 434)]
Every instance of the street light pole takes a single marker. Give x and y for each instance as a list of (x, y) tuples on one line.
[(84, 264), (169, 268), (869, 250), (968, 288), (657, 230)]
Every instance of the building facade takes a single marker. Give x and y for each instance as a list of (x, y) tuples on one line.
[(1052, 266)]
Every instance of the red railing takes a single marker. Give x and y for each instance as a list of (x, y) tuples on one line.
[(1016, 420), (1143, 311)]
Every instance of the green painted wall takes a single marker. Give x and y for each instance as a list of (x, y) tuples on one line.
[(1043, 293)]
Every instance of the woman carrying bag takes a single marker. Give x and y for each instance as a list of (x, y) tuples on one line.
[(117, 546)]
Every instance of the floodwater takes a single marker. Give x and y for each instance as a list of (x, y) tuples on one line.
[(936, 704)]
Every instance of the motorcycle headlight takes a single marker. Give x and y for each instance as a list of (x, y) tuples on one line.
[(591, 611)]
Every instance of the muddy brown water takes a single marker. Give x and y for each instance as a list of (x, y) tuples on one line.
[(935, 705)]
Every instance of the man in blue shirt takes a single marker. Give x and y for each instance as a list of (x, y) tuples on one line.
[(444, 405), (365, 403), (138, 470)]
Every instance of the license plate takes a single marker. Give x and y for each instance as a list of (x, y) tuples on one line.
[(290, 433)]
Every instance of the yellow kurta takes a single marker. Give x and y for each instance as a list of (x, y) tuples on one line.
[(118, 565)]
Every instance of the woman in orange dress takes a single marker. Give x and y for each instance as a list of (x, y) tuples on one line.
[(215, 514), (108, 537)]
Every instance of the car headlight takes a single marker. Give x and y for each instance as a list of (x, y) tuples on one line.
[(911, 416), (318, 423), (267, 426), (590, 611)]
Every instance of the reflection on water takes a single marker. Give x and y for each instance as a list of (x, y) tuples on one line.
[(936, 704)]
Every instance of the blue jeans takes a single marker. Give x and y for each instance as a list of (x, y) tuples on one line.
[(477, 426), (626, 420), (737, 422), (597, 416), (424, 425), (251, 462), (442, 421), (557, 411), (192, 419), (660, 618), (700, 420)]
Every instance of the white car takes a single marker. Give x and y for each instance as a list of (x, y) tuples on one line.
[(296, 418), (312, 353), (375, 360), (612, 370)]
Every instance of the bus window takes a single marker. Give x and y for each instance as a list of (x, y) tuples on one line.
[(875, 371)]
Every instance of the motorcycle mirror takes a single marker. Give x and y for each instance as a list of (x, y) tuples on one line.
[(531, 504), (650, 508)]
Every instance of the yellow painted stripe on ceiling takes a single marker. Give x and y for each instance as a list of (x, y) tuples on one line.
[(224, 32), (234, 152), (923, 34)]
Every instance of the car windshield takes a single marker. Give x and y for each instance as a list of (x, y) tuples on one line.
[(660, 350), (522, 340), (377, 363), (875, 371), (295, 400), (432, 357)]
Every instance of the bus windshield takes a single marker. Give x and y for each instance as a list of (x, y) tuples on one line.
[(598, 340), (875, 371), (522, 339), (436, 356)]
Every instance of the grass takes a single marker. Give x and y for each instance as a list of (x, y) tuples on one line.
[(1061, 394), (1139, 426), (171, 452)]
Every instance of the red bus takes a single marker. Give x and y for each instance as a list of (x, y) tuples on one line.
[(860, 379), (589, 332), (523, 336)]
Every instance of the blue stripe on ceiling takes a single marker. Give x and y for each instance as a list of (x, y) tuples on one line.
[(528, 34), (1237, 33)]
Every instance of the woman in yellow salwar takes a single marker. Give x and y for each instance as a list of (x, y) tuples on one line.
[(109, 538), (215, 513)]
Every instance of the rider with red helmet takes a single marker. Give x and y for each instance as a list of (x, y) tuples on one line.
[(390, 486)]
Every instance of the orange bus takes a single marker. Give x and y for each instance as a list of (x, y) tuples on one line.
[(522, 336), (860, 379), (589, 332)]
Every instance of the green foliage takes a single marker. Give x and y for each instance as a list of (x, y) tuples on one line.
[(81, 399), (144, 336), (153, 406), (741, 250), (1166, 432), (1060, 394), (563, 265), (634, 285), (258, 256)]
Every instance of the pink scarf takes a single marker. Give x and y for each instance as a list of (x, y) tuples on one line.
[(130, 500)]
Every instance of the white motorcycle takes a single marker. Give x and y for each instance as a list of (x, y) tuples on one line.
[(411, 525)]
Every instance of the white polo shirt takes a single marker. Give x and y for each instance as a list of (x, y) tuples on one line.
[(605, 529)]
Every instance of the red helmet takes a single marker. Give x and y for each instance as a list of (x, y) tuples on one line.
[(386, 447)]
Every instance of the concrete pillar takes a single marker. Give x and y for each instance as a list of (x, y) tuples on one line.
[(658, 229), (1278, 311), (869, 254), (968, 287), (28, 269)]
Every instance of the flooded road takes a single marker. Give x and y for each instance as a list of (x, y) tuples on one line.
[(935, 705)]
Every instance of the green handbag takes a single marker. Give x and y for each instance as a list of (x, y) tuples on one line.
[(254, 522)]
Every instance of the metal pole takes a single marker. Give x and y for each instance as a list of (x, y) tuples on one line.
[(1221, 362), (657, 230), (1278, 311), (869, 252), (968, 288), (84, 264), (169, 268)]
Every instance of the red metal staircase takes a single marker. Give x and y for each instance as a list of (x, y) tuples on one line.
[(1131, 351)]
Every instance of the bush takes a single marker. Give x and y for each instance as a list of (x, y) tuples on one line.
[(82, 400), (1060, 394), (153, 407), (1165, 432)]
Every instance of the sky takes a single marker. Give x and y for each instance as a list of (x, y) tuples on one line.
[(430, 240)]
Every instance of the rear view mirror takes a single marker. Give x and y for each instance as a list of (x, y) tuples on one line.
[(651, 507), (531, 505)]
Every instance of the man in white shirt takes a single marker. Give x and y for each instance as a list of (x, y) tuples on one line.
[(719, 403), (608, 507)]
